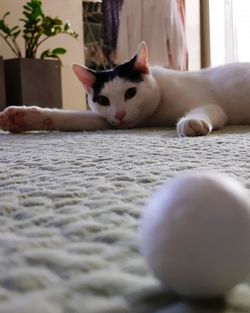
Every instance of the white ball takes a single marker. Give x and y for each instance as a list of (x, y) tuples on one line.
[(196, 234)]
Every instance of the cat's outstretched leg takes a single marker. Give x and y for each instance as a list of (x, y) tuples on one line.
[(201, 120), (19, 119)]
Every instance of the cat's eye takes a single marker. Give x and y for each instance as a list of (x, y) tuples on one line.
[(103, 101), (130, 93)]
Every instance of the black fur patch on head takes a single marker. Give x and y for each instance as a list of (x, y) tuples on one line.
[(125, 70)]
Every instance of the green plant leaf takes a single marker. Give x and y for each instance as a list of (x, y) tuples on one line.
[(16, 34), (37, 27), (3, 26), (50, 54), (45, 54), (60, 51), (27, 7), (66, 26), (33, 16), (14, 28), (6, 14), (9, 35)]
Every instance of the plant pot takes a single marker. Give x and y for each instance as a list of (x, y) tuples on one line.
[(33, 82), (2, 86)]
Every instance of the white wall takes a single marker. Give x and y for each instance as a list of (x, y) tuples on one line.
[(73, 94)]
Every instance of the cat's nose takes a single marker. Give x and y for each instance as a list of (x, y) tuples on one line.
[(120, 115)]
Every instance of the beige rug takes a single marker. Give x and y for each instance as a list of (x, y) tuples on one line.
[(69, 213)]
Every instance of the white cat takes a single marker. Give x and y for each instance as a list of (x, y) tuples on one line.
[(135, 94)]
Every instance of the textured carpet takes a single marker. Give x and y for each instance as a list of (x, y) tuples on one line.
[(69, 212)]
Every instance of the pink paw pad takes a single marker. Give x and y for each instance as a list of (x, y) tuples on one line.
[(12, 120), (16, 118)]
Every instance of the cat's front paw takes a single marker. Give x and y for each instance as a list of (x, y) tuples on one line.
[(193, 127), (17, 119), (12, 119)]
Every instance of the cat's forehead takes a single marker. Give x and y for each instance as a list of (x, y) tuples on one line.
[(123, 72), (116, 86)]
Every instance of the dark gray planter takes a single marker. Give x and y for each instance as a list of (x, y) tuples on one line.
[(33, 82), (2, 86)]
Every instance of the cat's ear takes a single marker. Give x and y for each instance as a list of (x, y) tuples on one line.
[(86, 76), (141, 62)]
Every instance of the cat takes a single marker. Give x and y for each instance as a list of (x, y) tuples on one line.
[(135, 94)]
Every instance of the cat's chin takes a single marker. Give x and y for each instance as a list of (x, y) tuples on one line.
[(124, 125)]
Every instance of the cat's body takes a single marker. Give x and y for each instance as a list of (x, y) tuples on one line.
[(226, 86), (137, 95)]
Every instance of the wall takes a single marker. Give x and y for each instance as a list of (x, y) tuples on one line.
[(73, 94)]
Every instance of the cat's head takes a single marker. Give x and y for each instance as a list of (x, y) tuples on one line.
[(124, 95)]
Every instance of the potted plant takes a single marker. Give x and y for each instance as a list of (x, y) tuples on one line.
[(2, 86), (33, 79)]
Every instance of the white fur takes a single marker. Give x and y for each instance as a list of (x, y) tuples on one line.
[(196, 234), (197, 102), (137, 109), (226, 88)]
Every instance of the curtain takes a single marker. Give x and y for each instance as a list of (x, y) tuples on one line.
[(231, 47), (229, 31), (161, 24), (111, 11)]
